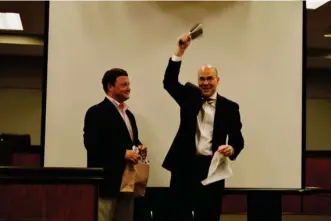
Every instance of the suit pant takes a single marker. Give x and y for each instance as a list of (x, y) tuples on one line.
[(189, 198), (116, 209)]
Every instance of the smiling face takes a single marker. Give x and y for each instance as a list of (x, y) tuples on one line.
[(208, 80), (120, 91)]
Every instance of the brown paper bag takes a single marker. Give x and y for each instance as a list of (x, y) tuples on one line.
[(135, 179), (128, 179), (141, 179)]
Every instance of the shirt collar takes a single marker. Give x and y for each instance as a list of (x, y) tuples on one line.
[(116, 103), (214, 95)]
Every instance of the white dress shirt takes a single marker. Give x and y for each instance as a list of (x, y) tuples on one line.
[(205, 126), (122, 107)]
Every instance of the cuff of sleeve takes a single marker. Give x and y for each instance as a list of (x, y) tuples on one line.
[(176, 58)]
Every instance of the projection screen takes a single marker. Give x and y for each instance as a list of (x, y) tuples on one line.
[(256, 46)]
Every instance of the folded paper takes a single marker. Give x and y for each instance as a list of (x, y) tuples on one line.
[(219, 169)]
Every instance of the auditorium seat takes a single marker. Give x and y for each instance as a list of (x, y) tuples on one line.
[(9, 143), (6, 153)]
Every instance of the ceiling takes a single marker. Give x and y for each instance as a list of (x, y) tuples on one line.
[(33, 18), (32, 15), (30, 41)]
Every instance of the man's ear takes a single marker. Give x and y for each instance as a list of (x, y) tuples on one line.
[(109, 87)]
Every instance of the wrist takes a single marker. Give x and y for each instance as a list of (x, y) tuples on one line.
[(179, 53)]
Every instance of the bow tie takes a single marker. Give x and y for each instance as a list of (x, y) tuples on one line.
[(208, 100)]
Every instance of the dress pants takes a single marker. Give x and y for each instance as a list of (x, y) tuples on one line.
[(188, 196), (116, 209)]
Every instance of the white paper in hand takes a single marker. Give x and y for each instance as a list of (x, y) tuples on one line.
[(219, 169)]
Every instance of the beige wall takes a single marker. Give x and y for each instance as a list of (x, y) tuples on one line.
[(20, 112), (21, 99), (319, 111), (319, 124)]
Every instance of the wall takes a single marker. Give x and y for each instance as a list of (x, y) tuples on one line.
[(21, 96), (318, 110), (318, 124), (20, 112)]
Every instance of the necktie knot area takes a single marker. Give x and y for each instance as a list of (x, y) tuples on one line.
[(122, 106), (208, 100)]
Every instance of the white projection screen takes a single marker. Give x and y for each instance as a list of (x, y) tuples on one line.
[(256, 46)]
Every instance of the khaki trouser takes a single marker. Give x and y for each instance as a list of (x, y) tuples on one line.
[(117, 209)]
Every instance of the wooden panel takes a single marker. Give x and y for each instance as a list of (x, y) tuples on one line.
[(317, 170), (317, 174), (234, 204), (317, 204), (292, 204), (53, 202), (26, 159)]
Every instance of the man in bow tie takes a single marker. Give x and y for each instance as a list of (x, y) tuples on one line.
[(207, 120)]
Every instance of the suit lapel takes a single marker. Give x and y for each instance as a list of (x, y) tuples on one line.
[(118, 117), (198, 106), (219, 119), (133, 124)]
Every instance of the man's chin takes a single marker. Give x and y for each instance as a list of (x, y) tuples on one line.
[(207, 94)]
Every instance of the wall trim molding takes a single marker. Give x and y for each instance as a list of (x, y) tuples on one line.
[(318, 154), (31, 149)]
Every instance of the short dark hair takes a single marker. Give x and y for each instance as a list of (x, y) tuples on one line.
[(110, 77)]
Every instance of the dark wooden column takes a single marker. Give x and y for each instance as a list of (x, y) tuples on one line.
[(56, 194)]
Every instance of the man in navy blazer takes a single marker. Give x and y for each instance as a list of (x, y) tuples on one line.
[(206, 121), (110, 132)]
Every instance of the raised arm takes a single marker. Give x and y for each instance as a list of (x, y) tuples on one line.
[(170, 82)]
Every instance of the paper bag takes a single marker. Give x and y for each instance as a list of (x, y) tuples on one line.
[(135, 178), (141, 179), (128, 179)]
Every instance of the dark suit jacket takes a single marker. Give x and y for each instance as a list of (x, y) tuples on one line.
[(227, 123), (106, 139)]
